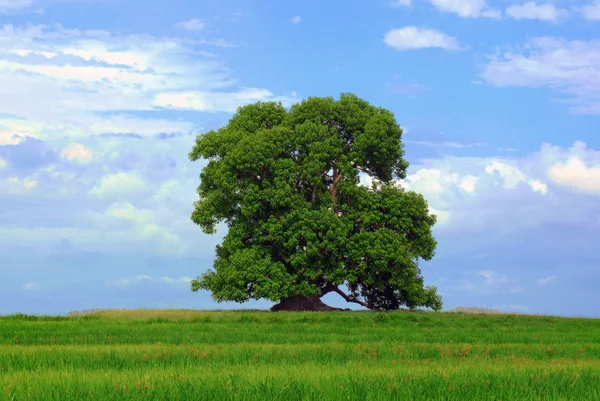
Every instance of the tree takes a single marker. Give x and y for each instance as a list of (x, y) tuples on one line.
[(300, 224)]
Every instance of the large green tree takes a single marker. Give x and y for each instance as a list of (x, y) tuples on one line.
[(300, 225)]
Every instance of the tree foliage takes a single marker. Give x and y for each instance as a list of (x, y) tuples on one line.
[(287, 185)]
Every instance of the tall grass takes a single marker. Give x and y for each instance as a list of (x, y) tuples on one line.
[(251, 355)]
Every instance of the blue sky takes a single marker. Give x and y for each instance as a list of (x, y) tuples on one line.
[(100, 102)]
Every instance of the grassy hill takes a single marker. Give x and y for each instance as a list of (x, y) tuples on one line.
[(258, 355)]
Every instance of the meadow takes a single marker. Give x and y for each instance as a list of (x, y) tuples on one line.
[(259, 355)]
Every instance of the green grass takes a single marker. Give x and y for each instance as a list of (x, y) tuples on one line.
[(252, 355)]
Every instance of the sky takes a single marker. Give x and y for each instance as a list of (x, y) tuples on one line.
[(101, 100)]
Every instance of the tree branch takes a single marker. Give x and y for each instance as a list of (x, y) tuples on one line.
[(326, 290), (334, 288), (349, 299)]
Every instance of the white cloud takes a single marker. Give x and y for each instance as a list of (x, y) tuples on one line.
[(531, 10), (296, 19), (32, 286), (193, 24), (466, 8), (468, 183), (576, 174), (570, 67), (126, 282), (433, 183), (429, 182), (412, 37), (84, 81), (145, 207), (401, 3), (77, 152), (217, 101), (153, 218), (591, 11), (512, 176), (546, 280), (118, 184), (442, 216), (538, 186)]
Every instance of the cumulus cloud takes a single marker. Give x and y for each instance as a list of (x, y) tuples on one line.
[(569, 67), (118, 184), (576, 174), (134, 194), (510, 194), (412, 37), (433, 182), (468, 193), (78, 153), (193, 24), (538, 186), (546, 280), (296, 19), (512, 176), (531, 10), (466, 8)]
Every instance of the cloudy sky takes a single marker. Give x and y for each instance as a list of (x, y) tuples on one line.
[(100, 102)]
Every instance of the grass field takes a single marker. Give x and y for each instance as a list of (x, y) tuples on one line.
[(256, 355)]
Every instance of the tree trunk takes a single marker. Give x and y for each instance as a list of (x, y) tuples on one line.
[(302, 303)]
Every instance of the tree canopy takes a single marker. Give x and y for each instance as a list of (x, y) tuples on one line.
[(300, 224)]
